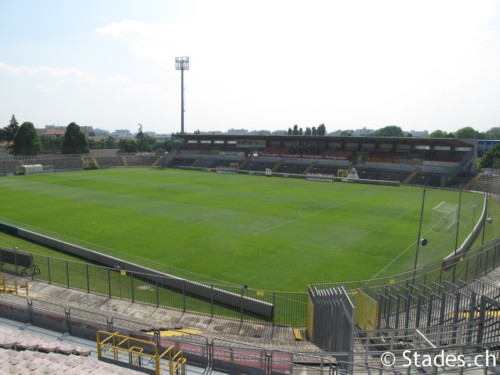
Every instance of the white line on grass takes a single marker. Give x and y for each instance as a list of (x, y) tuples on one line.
[(292, 220), (399, 256)]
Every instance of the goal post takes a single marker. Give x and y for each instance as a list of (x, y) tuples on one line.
[(444, 216)]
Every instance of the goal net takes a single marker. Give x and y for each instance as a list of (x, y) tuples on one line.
[(444, 216)]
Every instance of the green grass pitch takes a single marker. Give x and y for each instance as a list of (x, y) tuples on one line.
[(268, 233)]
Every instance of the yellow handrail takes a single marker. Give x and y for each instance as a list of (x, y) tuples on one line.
[(121, 345)]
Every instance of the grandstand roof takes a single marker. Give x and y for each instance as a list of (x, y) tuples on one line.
[(452, 142)]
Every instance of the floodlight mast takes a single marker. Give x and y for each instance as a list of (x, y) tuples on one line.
[(182, 64)]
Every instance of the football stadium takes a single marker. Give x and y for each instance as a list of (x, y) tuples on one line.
[(250, 254)]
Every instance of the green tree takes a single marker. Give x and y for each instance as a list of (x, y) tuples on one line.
[(10, 131), (468, 132), (167, 145), (127, 145), (493, 133), (308, 131), (26, 140), (492, 158), (110, 142), (143, 141), (389, 131), (74, 141), (321, 129), (51, 144), (295, 130), (438, 134)]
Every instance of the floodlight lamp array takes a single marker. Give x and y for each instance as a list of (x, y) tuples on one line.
[(182, 63)]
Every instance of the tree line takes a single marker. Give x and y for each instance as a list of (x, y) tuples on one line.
[(467, 132), (320, 130), (24, 140)]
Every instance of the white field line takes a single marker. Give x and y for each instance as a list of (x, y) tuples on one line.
[(391, 262)]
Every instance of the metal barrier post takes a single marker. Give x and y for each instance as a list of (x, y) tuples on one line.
[(48, 269), (67, 318), (157, 295), (132, 286), (211, 301), (241, 305), (109, 282), (88, 279), (274, 304), (184, 296), (30, 311), (15, 258), (67, 274)]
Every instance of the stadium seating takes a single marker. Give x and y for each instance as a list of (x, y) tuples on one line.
[(22, 352), (27, 361), (18, 340)]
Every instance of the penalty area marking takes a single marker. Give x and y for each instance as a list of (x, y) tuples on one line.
[(391, 262)]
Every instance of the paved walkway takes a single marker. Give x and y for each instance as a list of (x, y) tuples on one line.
[(492, 277), (137, 316)]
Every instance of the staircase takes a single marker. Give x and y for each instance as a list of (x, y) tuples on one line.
[(311, 166), (167, 158), (277, 165), (413, 174), (245, 162), (473, 181), (96, 163)]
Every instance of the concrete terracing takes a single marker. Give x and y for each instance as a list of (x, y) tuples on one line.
[(135, 316)]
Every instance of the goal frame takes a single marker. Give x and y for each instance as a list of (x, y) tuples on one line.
[(444, 216)]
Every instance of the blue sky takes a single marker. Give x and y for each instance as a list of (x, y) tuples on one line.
[(260, 64)]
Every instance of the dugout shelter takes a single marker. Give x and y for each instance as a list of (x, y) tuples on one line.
[(29, 169)]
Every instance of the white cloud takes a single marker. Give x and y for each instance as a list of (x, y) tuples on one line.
[(61, 74), (271, 64), (145, 90), (146, 40)]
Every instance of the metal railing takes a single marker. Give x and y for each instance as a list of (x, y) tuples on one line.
[(389, 351), (116, 348), (290, 307)]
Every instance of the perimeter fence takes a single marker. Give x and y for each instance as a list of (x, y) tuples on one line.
[(290, 308)]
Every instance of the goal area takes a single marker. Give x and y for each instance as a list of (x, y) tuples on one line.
[(444, 216)]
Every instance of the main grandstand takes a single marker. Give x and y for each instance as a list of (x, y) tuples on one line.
[(419, 161), (442, 310)]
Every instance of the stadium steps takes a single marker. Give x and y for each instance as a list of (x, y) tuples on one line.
[(277, 165), (245, 163), (311, 166), (95, 162), (413, 174), (473, 181), (157, 161), (125, 161), (88, 163), (172, 154)]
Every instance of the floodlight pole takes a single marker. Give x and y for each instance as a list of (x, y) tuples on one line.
[(418, 239), (456, 236), (182, 64), (485, 208)]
